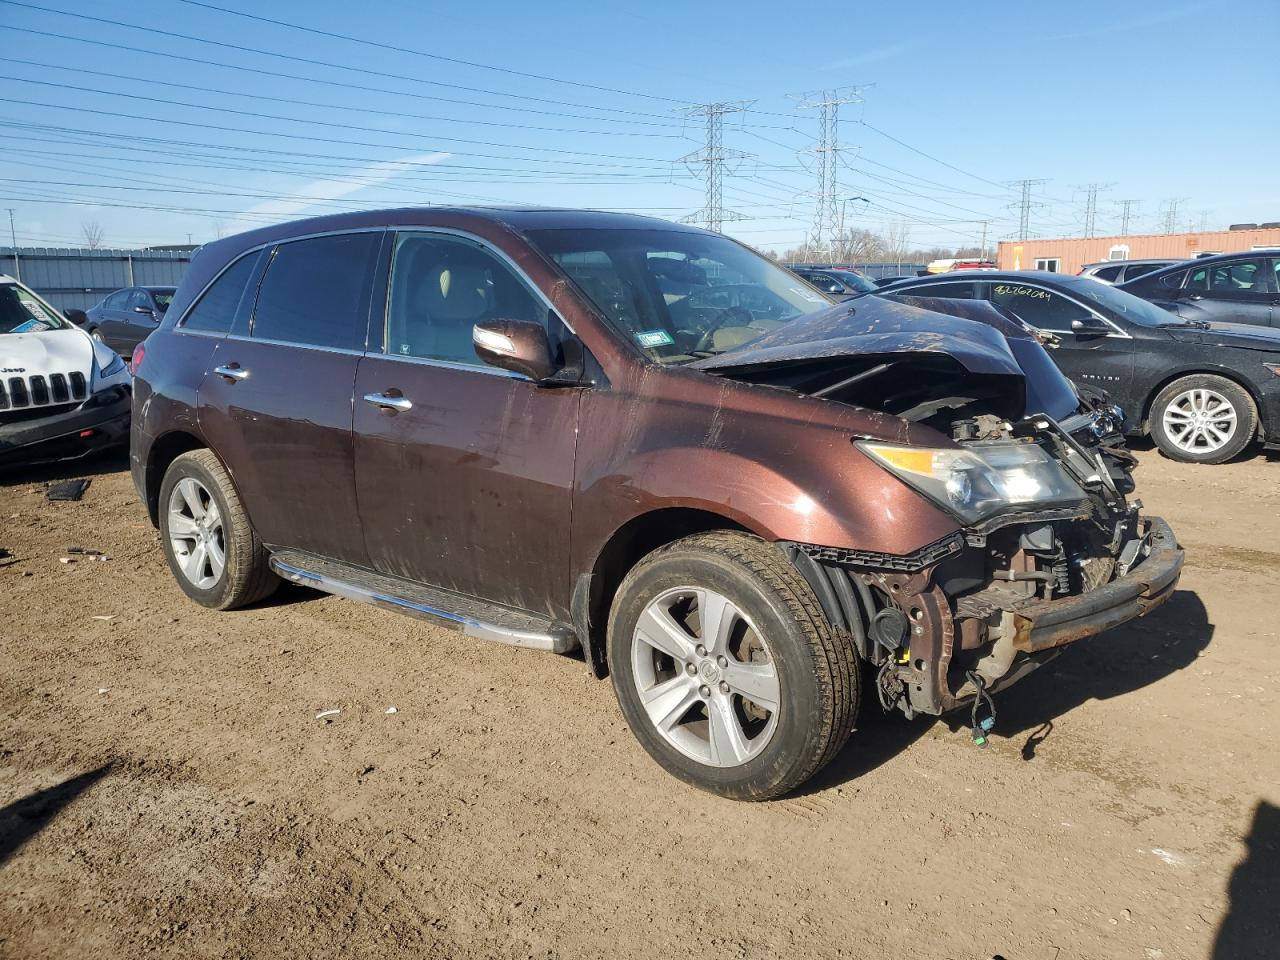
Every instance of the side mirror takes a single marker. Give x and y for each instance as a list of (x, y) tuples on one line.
[(145, 311), (517, 345), (76, 316), (1089, 328)]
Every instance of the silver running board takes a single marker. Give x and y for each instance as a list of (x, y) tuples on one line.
[(472, 617)]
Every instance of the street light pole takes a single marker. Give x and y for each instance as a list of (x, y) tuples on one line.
[(13, 237), (844, 240)]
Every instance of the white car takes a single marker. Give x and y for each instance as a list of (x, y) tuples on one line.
[(62, 393)]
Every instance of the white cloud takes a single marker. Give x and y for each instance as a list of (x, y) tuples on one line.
[(1135, 23), (870, 56), (334, 188)]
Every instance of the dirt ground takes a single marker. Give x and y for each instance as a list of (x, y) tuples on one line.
[(166, 788)]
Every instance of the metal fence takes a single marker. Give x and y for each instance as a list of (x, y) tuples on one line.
[(70, 278)]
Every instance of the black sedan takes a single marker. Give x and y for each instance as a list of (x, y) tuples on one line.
[(836, 281), (1203, 391), (1227, 288), (125, 318)]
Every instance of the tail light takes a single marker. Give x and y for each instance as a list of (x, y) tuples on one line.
[(135, 361)]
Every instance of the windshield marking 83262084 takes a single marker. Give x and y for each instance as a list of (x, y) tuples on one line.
[(679, 295)]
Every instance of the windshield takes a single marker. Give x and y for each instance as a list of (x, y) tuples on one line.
[(679, 295), (1131, 308), (21, 311)]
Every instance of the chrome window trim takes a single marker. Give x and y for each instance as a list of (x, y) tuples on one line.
[(451, 365), (240, 338), (1118, 334)]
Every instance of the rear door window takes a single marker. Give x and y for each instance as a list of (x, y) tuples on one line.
[(1108, 273), (947, 291), (1229, 278), (1140, 269), (216, 309), (315, 292)]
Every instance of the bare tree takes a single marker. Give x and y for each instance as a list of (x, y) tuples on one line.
[(897, 241), (92, 231)]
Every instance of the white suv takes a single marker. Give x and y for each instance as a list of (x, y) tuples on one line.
[(62, 394)]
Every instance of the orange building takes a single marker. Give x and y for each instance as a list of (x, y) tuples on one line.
[(1069, 254)]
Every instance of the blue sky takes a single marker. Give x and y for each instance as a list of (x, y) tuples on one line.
[(577, 104)]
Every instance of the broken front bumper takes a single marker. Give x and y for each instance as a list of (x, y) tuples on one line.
[(98, 423), (951, 624), (1045, 624)]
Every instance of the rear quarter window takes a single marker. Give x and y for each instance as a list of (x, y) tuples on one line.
[(216, 309)]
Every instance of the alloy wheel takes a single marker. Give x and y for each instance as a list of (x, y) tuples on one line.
[(1199, 421), (705, 677), (196, 533)]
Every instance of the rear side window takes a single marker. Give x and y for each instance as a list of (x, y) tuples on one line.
[(1234, 276), (1108, 273), (216, 309), (316, 292), (1139, 269), (947, 291)]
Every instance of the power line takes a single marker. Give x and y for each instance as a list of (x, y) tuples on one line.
[(363, 108), (366, 71), (417, 53), (711, 158)]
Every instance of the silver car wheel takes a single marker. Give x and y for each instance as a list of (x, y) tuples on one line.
[(196, 533), (705, 677), (1199, 421)]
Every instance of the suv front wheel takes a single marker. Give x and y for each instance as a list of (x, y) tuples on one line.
[(726, 669), (212, 550)]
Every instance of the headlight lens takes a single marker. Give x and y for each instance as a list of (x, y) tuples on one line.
[(114, 365), (982, 479)]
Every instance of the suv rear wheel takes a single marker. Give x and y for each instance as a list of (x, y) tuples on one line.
[(726, 669), (1203, 419), (212, 550)]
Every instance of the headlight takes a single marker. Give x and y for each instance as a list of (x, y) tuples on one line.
[(114, 365), (982, 479)]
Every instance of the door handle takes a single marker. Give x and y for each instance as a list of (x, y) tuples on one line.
[(231, 372), (388, 402)]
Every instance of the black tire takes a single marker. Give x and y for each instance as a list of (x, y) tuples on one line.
[(817, 668), (246, 576), (1242, 434)]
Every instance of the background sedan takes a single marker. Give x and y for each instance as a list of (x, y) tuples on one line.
[(126, 318), (1203, 391)]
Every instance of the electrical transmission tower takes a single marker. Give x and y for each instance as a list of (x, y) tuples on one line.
[(1025, 205), (1091, 206), (1171, 214), (709, 162), (1125, 206), (826, 153)]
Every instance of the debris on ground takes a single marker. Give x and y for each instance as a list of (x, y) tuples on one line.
[(392, 710), (102, 690), (67, 489), (104, 616), (326, 714)]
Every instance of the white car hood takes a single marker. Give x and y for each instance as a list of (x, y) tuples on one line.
[(60, 351)]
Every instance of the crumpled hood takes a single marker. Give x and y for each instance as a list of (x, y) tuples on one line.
[(872, 325), (1230, 335), (51, 351)]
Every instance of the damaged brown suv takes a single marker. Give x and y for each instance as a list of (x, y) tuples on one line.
[(565, 430)]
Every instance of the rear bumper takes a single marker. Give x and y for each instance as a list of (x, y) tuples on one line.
[(66, 435), (1045, 624)]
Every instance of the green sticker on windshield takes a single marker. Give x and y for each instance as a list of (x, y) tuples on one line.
[(654, 338)]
